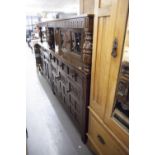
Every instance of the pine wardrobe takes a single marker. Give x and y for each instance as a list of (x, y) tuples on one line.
[(108, 131)]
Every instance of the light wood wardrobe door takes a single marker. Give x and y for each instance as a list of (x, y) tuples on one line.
[(119, 125), (109, 25), (104, 24), (104, 34)]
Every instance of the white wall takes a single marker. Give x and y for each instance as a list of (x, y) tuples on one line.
[(37, 6)]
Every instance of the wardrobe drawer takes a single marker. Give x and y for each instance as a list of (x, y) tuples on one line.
[(104, 143)]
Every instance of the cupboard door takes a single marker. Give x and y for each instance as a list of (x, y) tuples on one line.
[(104, 23), (108, 14), (117, 109), (109, 31)]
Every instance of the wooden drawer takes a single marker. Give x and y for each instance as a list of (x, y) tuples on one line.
[(101, 140)]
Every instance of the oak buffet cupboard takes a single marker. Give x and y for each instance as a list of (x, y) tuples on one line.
[(109, 99), (63, 56)]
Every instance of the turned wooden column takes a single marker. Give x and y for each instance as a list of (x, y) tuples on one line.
[(87, 51), (87, 46)]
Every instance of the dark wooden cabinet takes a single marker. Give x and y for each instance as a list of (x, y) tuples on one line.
[(66, 64)]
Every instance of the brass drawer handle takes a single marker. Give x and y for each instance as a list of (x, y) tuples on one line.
[(101, 140)]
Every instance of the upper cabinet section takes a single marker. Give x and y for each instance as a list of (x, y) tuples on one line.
[(72, 22), (71, 39)]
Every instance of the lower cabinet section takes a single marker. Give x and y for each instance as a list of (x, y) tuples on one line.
[(101, 141), (70, 85)]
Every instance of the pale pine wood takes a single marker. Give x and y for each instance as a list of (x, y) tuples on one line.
[(100, 121), (109, 23), (93, 146), (105, 11), (114, 71), (111, 147), (87, 6), (81, 7), (103, 36), (103, 3)]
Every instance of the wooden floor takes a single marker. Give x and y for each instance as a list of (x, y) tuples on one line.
[(50, 130)]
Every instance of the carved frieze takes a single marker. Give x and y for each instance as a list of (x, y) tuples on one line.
[(68, 23)]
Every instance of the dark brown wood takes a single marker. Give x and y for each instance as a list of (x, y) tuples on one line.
[(65, 60)]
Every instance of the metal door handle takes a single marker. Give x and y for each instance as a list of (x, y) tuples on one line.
[(114, 48)]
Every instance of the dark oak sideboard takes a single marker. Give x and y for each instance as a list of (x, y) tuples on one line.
[(64, 59)]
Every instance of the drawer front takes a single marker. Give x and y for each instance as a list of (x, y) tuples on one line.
[(105, 143), (75, 77)]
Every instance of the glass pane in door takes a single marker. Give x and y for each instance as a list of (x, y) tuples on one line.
[(121, 106)]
